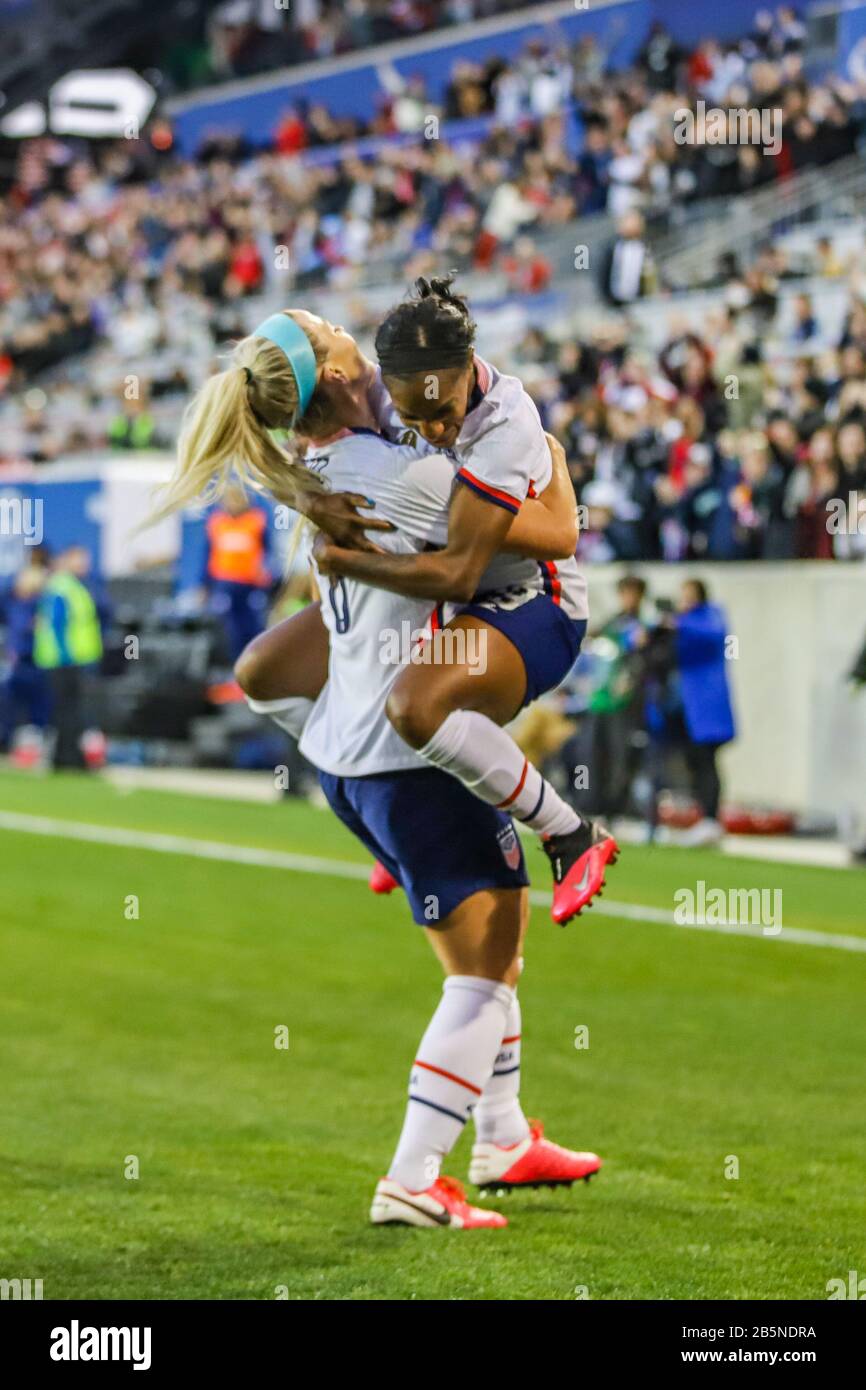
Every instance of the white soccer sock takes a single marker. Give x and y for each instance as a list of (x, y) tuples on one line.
[(489, 763), (498, 1116), (291, 713), (452, 1066)]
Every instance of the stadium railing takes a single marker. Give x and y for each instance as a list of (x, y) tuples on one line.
[(739, 225)]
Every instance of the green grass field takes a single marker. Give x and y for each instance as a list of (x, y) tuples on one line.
[(154, 1038)]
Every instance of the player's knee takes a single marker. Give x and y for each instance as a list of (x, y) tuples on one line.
[(495, 962), (414, 721), (250, 672), (512, 972)]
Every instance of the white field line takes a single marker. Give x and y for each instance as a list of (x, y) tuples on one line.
[(340, 868)]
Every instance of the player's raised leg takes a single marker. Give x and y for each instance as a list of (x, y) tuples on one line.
[(282, 673), (283, 670), (451, 710)]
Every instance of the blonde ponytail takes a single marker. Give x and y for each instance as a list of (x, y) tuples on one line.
[(225, 435)]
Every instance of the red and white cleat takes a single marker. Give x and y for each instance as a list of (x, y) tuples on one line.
[(534, 1162), (442, 1204), (380, 880), (578, 861)]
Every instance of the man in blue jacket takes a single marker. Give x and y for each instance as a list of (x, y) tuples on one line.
[(707, 716), (24, 689)]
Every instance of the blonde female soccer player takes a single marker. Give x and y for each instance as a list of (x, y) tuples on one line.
[(457, 857)]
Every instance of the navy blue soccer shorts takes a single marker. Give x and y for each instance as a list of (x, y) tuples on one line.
[(546, 637), (437, 839)]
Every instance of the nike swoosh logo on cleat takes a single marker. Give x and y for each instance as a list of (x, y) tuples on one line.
[(584, 881), (442, 1217)]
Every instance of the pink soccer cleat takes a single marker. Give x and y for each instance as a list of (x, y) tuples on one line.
[(533, 1162), (578, 861), (442, 1204), (380, 880)]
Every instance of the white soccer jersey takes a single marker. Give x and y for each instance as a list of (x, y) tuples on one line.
[(502, 454), (501, 450), (371, 630)]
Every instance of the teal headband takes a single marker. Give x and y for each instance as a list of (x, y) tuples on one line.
[(293, 341)]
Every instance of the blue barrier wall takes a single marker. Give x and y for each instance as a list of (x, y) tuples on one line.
[(68, 513), (852, 42), (689, 23)]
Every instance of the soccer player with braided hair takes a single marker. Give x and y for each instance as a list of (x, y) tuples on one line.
[(529, 616)]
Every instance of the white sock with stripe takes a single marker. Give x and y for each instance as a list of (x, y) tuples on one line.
[(498, 1116), (489, 763), (452, 1066), (291, 713)]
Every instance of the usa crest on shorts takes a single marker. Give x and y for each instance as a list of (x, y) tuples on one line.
[(510, 846)]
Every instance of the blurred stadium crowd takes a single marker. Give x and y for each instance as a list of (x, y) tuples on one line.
[(669, 465), (124, 267), (242, 37)]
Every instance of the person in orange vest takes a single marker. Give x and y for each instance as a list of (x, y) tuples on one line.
[(237, 572)]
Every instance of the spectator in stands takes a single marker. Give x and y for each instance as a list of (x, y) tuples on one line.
[(688, 361), (784, 441), (527, 270), (813, 486), (291, 136), (245, 272), (851, 454), (805, 324), (596, 544), (661, 57), (757, 501), (741, 378), (133, 427), (827, 262), (593, 167), (626, 269)]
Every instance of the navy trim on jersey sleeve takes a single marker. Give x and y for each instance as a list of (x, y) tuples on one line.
[(490, 494)]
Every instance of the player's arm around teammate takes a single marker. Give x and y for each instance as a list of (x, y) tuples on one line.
[(527, 625), (298, 371), (290, 660)]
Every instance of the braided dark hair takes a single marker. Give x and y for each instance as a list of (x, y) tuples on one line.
[(431, 331)]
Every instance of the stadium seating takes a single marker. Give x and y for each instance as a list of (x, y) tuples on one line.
[(151, 261)]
